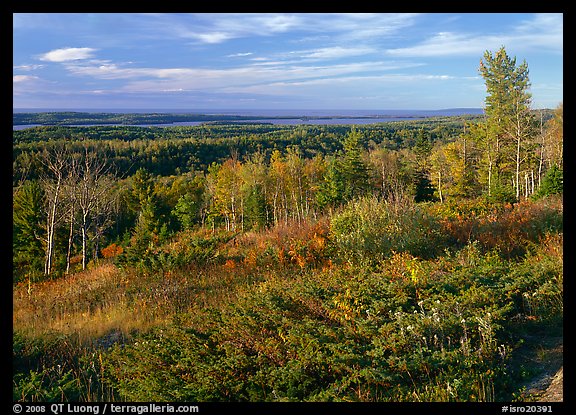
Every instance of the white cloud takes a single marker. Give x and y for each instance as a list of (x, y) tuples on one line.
[(239, 55), (542, 32), (212, 37), (213, 28), (23, 78), (335, 52), (444, 44), (27, 67), (67, 54)]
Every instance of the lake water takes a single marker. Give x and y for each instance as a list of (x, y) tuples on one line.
[(292, 117)]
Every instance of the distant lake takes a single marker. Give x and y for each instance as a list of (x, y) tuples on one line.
[(290, 117)]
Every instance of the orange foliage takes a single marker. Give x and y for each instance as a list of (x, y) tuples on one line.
[(507, 227), (230, 264), (111, 251)]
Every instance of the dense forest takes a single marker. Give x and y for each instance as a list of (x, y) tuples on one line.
[(397, 261)]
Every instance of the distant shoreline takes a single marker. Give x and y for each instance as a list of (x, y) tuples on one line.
[(82, 118)]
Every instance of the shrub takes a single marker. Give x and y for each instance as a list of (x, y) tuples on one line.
[(369, 229), (111, 251), (552, 183), (415, 329)]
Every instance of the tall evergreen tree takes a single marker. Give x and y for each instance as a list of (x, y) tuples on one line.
[(353, 168), (552, 183), (255, 209), (510, 122), (331, 189), (28, 217)]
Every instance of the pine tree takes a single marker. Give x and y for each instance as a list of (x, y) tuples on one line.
[(255, 209), (552, 183), (332, 188), (28, 217), (353, 168), (510, 122), (186, 210)]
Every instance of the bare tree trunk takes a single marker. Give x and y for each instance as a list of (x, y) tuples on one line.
[(518, 165), (440, 187), (84, 229), (55, 161), (70, 239), (94, 190), (51, 228)]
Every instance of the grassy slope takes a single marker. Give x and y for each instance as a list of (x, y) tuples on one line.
[(62, 323)]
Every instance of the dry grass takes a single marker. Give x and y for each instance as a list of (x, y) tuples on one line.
[(96, 302), (93, 303)]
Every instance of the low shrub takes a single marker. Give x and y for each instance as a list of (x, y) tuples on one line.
[(368, 230), (412, 329)]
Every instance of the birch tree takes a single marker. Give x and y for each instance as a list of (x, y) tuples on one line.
[(55, 160), (94, 197)]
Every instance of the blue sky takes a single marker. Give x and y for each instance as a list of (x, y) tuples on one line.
[(276, 61)]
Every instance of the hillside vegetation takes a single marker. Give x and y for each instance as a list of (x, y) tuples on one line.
[(298, 313), (394, 262)]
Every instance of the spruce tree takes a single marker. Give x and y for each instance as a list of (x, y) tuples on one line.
[(354, 170), (552, 183)]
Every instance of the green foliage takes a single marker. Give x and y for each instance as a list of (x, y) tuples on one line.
[(424, 190), (190, 249), (425, 330), (552, 183), (255, 209), (331, 189), (369, 229), (501, 193), (46, 370), (353, 170), (382, 299), (27, 208), (48, 385), (186, 210)]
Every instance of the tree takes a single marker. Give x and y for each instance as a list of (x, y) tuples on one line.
[(186, 210), (552, 183), (423, 186), (440, 170), (145, 232), (94, 198), (386, 166), (353, 169), (553, 135), (331, 190), (509, 119), (255, 209), (70, 196), (142, 188), (28, 217), (278, 172), (55, 160)]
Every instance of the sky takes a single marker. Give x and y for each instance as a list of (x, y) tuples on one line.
[(276, 61)]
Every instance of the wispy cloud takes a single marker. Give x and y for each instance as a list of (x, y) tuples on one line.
[(335, 52), (239, 55), (220, 27), (67, 54), (269, 54), (23, 78), (31, 67), (542, 31), (162, 79)]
